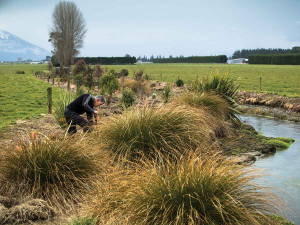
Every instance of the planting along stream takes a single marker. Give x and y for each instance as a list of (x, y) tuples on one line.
[(284, 166)]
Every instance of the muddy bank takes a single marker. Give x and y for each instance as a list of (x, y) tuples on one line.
[(272, 105)]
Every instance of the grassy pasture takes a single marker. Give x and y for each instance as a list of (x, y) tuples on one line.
[(282, 79), (22, 96)]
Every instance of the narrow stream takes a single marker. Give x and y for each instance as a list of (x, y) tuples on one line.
[(283, 166)]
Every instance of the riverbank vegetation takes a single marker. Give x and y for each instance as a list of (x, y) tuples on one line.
[(156, 162)]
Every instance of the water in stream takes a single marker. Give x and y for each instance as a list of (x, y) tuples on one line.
[(284, 166)]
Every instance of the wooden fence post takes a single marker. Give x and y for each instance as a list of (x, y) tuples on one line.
[(68, 83), (49, 99), (259, 84), (52, 79)]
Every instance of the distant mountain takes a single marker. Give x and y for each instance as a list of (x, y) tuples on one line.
[(12, 47)]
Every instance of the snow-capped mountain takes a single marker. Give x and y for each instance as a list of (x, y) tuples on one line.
[(12, 47)]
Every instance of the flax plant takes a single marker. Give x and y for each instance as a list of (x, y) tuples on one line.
[(224, 86)]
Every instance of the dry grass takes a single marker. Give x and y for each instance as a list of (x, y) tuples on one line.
[(207, 189), (166, 128)]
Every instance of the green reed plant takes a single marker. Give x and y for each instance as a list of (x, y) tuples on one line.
[(167, 92), (60, 106), (224, 86), (145, 129), (56, 171)]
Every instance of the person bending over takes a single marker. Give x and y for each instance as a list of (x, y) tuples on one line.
[(83, 104)]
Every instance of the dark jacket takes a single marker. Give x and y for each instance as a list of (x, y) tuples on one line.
[(83, 104)]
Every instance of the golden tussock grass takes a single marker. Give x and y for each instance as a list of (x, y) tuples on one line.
[(193, 189), (165, 128), (58, 171)]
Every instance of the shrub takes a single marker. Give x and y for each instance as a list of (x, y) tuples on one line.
[(145, 129), (224, 86), (138, 88), (20, 72), (128, 97), (138, 75), (205, 189), (179, 82), (166, 94), (79, 79), (56, 171), (112, 72), (98, 71), (80, 67), (124, 72), (109, 84), (89, 78)]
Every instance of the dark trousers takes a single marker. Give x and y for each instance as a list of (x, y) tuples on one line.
[(73, 119)]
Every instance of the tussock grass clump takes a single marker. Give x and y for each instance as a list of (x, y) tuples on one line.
[(56, 171), (214, 104), (194, 190), (145, 129)]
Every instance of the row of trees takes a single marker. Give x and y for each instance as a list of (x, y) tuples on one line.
[(108, 60), (245, 53), (193, 59), (282, 59)]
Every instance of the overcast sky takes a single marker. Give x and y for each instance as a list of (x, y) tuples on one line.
[(163, 27)]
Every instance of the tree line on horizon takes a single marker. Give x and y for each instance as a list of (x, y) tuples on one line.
[(245, 53)]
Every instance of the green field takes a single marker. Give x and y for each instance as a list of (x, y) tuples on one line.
[(284, 80), (22, 96)]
